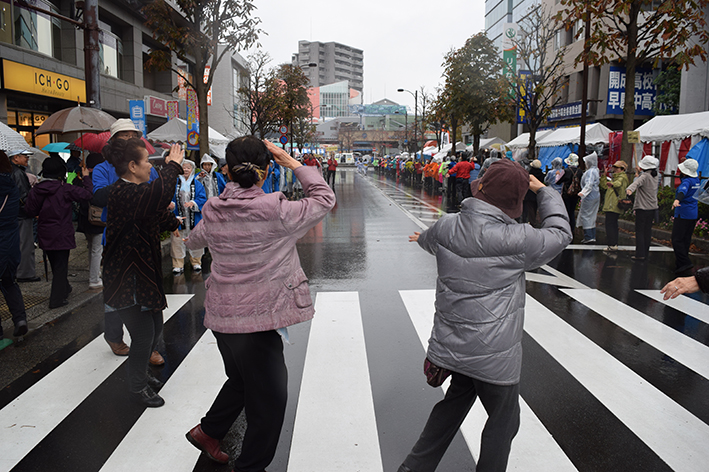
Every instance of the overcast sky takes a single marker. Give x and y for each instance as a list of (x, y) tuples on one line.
[(404, 41)]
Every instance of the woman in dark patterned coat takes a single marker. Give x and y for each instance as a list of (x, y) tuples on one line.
[(132, 269)]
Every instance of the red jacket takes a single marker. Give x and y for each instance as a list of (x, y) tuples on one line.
[(312, 162), (332, 164), (462, 170)]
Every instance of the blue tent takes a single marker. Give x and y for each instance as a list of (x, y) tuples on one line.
[(700, 153), (547, 154)]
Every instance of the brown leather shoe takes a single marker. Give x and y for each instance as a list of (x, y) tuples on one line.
[(156, 358), (207, 444), (120, 348)]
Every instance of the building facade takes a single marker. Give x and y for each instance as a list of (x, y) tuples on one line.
[(335, 63), (43, 67)]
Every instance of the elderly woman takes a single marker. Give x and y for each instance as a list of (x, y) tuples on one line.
[(645, 205), (257, 289), (686, 213), (590, 199), (132, 260), (615, 190), (187, 205)]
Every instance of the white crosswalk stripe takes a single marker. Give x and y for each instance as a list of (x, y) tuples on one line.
[(335, 391), (34, 414)]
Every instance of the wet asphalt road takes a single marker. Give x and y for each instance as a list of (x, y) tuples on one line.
[(362, 247)]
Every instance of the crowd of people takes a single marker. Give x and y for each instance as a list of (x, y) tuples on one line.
[(249, 210)]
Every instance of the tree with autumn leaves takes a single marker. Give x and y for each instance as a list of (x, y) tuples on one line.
[(635, 32), (473, 91), (193, 33)]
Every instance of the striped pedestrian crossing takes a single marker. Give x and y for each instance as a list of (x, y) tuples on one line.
[(336, 426)]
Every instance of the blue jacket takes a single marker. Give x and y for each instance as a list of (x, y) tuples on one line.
[(688, 208), (199, 196)]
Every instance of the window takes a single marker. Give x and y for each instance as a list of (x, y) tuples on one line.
[(37, 31)]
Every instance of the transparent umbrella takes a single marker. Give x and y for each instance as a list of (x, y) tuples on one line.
[(11, 140)]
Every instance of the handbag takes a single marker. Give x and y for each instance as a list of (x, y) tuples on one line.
[(625, 204), (95, 215), (435, 375)]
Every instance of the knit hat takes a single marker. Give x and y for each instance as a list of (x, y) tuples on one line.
[(504, 185), (648, 162), (53, 167), (689, 167), (572, 160), (124, 124)]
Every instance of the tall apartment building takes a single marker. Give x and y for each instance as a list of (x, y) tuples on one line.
[(335, 63)]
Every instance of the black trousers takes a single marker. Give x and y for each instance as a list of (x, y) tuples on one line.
[(257, 382), (145, 328), (462, 187), (331, 175), (59, 260), (611, 228), (13, 296), (570, 203), (682, 231), (502, 405), (643, 232)]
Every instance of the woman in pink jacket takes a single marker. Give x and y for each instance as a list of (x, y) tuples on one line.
[(256, 290)]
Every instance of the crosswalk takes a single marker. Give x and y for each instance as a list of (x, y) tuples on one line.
[(335, 390)]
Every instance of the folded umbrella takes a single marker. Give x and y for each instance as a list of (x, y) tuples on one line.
[(96, 142)]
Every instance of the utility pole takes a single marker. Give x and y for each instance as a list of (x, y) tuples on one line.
[(584, 92)]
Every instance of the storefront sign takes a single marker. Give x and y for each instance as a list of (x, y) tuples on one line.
[(155, 106), (568, 111), (645, 91), (137, 114), (42, 82)]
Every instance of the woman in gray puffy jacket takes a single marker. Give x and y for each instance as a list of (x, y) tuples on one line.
[(482, 255)]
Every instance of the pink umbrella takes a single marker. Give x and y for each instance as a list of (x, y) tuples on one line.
[(96, 142)]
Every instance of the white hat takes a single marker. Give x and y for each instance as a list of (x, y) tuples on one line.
[(124, 124), (17, 152), (689, 167), (572, 160), (648, 162), (536, 163)]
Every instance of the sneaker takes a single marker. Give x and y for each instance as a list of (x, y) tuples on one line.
[(197, 267), (177, 270), (96, 287), (588, 241), (147, 397)]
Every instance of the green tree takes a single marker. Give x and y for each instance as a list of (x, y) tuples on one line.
[(669, 84), (538, 92), (261, 96), (635, 32), (200, 32), (293, 92), (304, 131), (473, 87)]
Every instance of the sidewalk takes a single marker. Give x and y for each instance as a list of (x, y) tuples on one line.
[(36, 294)]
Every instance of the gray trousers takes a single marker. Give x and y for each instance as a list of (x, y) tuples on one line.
[(26, 269), (93, 243), (502, 405)]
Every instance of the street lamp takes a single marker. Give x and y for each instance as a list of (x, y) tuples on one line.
[(416, 99)]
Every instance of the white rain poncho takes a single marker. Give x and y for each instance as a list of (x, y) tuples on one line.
[(588, 210)]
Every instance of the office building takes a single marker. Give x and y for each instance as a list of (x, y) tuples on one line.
[(335, 63)]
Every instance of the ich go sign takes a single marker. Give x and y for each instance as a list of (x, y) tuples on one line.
[(42, 82)]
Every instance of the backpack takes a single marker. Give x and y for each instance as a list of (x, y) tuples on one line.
[(575, 185)]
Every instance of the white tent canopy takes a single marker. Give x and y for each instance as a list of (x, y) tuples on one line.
[(595, 134), (176, 130), (522, 141), (484, 143), (675, 127)]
